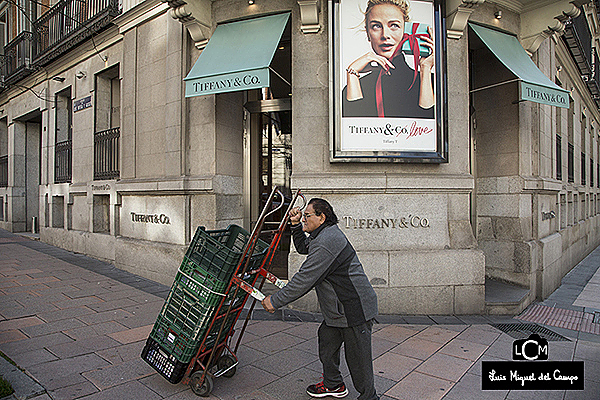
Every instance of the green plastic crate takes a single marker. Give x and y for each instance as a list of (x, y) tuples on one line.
[(202, 284), (178, 343), (186, 312), (218, 252)]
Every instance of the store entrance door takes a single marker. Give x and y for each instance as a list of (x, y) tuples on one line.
[(268, 163)]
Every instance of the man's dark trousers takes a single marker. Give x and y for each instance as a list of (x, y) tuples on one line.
[(357, 345)]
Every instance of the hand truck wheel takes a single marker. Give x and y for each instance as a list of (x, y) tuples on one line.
[(227, 361), (201, 388)]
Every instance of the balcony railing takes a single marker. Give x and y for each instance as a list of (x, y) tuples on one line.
[(68, 23), (3, 172), (62, 162), (106, 154), (578, 38), (17, 57), (593, 83)]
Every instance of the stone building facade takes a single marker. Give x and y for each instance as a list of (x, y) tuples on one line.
[(102, 147)]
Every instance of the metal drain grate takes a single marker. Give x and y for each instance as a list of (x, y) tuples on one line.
[(523, 331)]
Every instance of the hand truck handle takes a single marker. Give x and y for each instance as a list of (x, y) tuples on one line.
[(251, 290)]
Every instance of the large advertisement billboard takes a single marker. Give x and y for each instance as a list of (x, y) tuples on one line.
[(388, 81)]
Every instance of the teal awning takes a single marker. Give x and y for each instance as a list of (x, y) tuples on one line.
[(533, 85), (237, 56)]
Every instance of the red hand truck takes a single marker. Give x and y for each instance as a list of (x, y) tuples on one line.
[(213, 356)]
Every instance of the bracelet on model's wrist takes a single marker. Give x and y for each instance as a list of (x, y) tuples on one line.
[(352, 72)]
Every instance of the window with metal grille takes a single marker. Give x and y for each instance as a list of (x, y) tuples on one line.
[(559, 157), (108, 118), (591, 173), (571, 164), (63, 132), (583, 168)]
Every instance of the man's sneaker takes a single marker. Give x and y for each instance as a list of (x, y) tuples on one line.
[(319, 390)]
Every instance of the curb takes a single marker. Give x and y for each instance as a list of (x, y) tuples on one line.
[(25, 386)]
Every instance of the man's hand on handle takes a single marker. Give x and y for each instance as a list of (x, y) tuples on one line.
[(266, 303), (295, 216)]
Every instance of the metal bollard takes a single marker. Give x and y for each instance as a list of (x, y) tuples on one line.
[(34, 221)]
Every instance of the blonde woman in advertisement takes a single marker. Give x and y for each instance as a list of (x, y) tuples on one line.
[(380, 83)]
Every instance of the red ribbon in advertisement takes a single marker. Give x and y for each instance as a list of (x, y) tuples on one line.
[(413, 41)]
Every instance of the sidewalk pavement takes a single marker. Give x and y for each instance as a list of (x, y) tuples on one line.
[(77, 326)]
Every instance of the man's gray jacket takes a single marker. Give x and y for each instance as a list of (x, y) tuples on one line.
[(345, 295)]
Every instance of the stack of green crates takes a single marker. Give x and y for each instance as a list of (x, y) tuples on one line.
[(199, 287)]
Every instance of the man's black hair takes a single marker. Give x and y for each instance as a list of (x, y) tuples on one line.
[(321, 206)]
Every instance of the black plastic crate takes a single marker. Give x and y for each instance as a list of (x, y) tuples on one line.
[(167, 365)]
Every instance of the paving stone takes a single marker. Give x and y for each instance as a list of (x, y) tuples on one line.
[(269, 327), (164, 388), (587, 351), (417, 348), (20, 346), (83, 301), (104, 328), (285, 362), (74, 391), (464, 349), (34, 357), (417, 386), (476, 369), (591, 391), (304, 330), (437, 334), (479, 334), (66, 313), (114, 375), (121, 353), (105, 316), (128, 391), (16, 272), (12, 336), (247, 355), (112, 304), (132, 335), (83, 346), (23, 385), (381, 346), (539, 395), (57, 326), (273, 343), (62, 373), (309, 346), (394, 366), (189, 395), (445, 367), (292, 386), (469, 387), (396, 333)]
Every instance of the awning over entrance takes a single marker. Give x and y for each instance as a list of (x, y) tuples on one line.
[(237, 56), (533, 85)]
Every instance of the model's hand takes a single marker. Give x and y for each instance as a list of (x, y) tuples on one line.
[(361, 64), (295, 216), (426, 64), (266, 303), (364, 62)]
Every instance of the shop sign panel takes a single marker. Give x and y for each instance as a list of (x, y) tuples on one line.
[(544, 95), (245, 80)]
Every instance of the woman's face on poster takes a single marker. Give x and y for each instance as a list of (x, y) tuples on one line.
[(385, 28)]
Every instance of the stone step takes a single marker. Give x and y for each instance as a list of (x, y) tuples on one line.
[(502, 298)]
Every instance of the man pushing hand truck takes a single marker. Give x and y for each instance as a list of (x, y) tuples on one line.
[(345, 295)]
